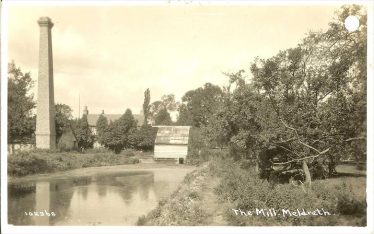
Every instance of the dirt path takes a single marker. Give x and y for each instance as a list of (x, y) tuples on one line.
[(212, 205)]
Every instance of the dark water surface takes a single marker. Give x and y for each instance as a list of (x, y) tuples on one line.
[(101, 199)]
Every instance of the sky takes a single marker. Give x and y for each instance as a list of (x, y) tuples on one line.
[(109, 55)]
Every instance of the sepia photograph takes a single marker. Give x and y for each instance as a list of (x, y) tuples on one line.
[(179, 113)]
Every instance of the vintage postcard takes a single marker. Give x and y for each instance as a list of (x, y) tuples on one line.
[(186, 116)]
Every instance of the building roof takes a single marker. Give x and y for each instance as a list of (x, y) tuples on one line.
[(92, 118), (172, 135)]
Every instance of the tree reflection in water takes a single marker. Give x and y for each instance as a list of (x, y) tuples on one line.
[(111, 199)]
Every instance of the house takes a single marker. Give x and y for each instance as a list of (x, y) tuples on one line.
[(171, 143)]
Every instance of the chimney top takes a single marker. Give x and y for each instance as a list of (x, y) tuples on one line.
[(45, 21), (85, 111)]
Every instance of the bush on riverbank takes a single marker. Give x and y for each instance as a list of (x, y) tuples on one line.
[(243, 189), (44, 161)]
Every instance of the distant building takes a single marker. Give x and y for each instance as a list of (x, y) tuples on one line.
[(172, 143), (92, 120)]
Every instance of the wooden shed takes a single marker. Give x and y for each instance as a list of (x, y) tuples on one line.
[(171, 143)]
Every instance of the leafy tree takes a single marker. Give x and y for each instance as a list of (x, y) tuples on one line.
[(63, 118), (311, 89), (146, 107), (163, 118), (101, 127), (167, 102), (117, 135), (21, 121), (127, 124), (112, 137), (147, 138), (185, 116), (144, 138), (199, 105), (290, 115), (83, 133)]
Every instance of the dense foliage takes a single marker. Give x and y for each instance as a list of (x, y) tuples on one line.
[(124, 134), (143, 138), (116, 135), (21, 120), (101, 126), (163, 117), (83, 134), (343, 198), (199, 104), (63, 118), (303, 109), (159, 111)]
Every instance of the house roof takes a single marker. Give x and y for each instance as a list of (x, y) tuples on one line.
[(92, 118), (172, 135)]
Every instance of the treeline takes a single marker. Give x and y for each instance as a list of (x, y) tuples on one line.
[(296, 114), (117, 135), (124, 133)]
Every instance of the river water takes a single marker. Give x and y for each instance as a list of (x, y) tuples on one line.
[(100, 199)]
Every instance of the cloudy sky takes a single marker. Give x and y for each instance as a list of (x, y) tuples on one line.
[(110, 55)]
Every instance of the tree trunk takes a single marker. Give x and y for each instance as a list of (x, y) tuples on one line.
[(308, 178)]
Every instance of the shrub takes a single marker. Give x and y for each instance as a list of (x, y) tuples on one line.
[(246, 164), (194, 195), (129, 153), (144, 138), (24, 163), (100, 150), (245, 190), (348, 205)]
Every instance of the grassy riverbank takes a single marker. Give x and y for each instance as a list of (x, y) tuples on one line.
[(209, 194), (186, 206), (41, 161)]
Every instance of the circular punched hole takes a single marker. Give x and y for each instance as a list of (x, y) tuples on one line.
[(351, 23)]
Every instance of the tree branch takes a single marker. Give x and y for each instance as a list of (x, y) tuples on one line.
[(297, 135), (355, 139), (285, 141), (301, 159), (310, 147), (298, 155)]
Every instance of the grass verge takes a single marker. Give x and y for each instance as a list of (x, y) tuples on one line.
[(42, 161), (233, 187), (184, 207), (344, 198)]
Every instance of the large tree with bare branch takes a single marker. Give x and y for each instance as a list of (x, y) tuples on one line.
[(304, 108)]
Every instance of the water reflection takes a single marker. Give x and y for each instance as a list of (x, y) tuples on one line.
[(115, 199)]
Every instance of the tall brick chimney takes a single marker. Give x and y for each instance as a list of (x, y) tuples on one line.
[(45, 119)]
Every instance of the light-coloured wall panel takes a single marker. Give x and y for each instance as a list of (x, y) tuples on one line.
[(170, 151)]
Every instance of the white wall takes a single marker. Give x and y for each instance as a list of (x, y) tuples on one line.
[(170, 151)]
